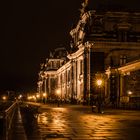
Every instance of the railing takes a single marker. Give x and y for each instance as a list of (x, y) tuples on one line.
[(6, 119)]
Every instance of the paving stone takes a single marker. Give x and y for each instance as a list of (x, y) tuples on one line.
[(76, 125)]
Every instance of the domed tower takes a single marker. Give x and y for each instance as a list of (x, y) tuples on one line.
[(57, 59), (60, 53), (48, 83)]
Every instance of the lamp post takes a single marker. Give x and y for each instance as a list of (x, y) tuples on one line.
[(4, 98), (129, 93), (37, 97), (99, 84), (44, 97), (58, 92)]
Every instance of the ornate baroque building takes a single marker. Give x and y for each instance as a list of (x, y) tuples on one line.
[(104, 45)]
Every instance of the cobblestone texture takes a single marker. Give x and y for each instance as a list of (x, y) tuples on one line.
[(77, 123)]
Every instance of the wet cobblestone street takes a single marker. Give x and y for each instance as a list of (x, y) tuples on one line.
[(70, 123)]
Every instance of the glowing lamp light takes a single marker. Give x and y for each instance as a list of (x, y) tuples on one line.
[(44, 94), (4, 98), (37, 96), (33, 97), (129, 92), (58, 91), (99, 82), (20, 96), (29, 97)]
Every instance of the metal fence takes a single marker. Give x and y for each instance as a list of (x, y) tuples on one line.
[(6, 119)]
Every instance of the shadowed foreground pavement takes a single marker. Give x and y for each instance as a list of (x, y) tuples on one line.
[(79, 123)]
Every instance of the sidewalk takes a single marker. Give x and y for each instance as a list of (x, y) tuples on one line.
[(18, 128), (85, 108), (77, 122)]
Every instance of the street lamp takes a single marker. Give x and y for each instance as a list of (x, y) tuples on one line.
[(99, 83), (44, 94), (129, 93), (44, 97), (37, 96), (58, 92), (4, 98), (20, 96)]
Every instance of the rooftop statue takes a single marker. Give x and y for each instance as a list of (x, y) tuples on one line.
[(84, 5)]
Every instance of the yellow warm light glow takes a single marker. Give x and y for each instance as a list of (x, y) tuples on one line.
[(33, 97), (99, 82), (129, 92), (44, 94), (38, 96), (58, 91), (20, 96), (4, 97), (29, 97)]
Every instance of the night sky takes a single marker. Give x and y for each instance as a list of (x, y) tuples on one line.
[(30, 29)]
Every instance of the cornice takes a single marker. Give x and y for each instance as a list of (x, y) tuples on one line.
[(132, 66), (123, 45), (49, 72), (64, 67), (76, 54)]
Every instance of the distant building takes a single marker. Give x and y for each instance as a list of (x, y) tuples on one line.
[(104, 45)]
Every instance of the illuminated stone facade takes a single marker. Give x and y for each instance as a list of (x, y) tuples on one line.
[(104, 44)]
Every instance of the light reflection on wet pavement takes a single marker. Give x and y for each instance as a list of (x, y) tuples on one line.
[(70, 124)]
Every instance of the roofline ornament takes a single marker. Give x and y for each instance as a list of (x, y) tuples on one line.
[(84, 5)]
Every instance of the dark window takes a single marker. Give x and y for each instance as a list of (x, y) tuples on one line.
[(68, 75), (122, 36), (81, 66), (122, 59)]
